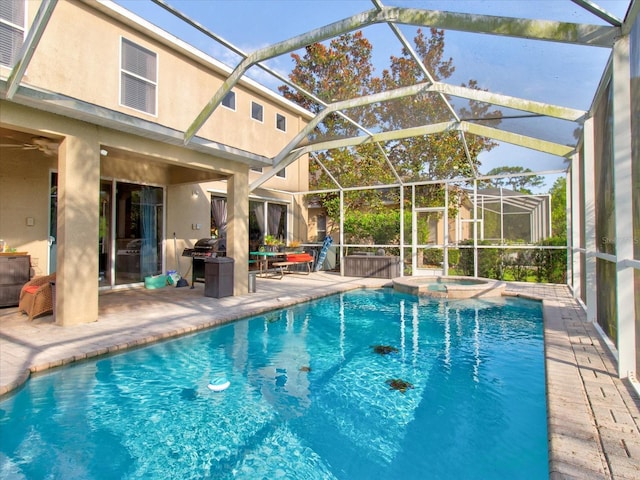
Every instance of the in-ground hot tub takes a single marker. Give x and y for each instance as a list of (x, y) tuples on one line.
[(450, 287)]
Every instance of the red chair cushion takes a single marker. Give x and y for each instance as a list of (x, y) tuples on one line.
[(299, 257), (32, 289)]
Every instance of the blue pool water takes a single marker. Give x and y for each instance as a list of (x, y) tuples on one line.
[(309, 399)]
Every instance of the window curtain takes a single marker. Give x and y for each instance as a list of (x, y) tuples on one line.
[(148, 222), (273, 218), (219, 213), (258, 209)]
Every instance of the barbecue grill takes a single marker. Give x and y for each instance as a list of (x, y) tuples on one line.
[(203, 249)]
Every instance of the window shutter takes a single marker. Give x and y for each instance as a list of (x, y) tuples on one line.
[(138, 94), (138, 77), (11, 30), (138, 60), (12, 11)]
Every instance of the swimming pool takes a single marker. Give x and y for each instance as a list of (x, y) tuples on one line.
[(309, 398)]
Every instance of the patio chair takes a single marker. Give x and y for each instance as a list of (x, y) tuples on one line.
[(36, 296)]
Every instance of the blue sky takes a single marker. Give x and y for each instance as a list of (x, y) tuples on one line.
[(560, 74)]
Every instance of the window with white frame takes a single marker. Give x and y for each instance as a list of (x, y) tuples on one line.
[(256, 169), (229, 100), (257, 111), (281, 173), (138, 77), (281, 122), (12, 30)]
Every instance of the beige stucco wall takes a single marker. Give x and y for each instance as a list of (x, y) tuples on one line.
[(77, 214), (24, 194), (79, 56), (185, 213)]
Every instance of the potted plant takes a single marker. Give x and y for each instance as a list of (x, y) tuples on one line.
[(271, 243), (294, 246)]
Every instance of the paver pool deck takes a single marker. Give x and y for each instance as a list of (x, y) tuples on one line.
[(593, 417)]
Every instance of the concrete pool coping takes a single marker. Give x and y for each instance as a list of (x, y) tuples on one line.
[(475, 288), (593, 417)]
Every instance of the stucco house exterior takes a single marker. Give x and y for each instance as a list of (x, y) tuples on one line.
[(94, 101)]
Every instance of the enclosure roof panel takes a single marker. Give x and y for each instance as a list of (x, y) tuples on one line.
[(543, 59)]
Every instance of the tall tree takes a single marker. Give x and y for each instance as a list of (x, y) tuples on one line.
[(439, 156), (344, 70), (332, 73), (520, 183), (558, 194), (339, 71)]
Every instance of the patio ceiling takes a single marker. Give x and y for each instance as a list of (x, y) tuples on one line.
[(541, 108)]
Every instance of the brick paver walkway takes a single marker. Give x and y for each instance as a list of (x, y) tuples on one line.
[(593, 416)]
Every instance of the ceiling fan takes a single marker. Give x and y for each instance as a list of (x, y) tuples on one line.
[(46, 146)]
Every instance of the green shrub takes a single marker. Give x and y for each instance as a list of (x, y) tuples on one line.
[(432, 256), (546, 265), (453, 257), (518, 264), (551, 265), (372, 227), (489, 260)]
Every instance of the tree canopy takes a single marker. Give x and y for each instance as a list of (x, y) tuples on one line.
[(342, 70), (523, 183), (559, 208)]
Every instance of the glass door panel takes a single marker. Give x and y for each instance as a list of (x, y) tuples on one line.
[(53, 221), (104, 235), (138, 232)]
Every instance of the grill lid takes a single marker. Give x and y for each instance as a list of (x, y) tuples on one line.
[(207, 247), (206, 244), (210, 244)]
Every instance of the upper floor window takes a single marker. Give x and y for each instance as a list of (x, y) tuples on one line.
[(281, 122), (12, 30), (256, 169), (281, 173), (229, 100), (257, 111), (138, 77)]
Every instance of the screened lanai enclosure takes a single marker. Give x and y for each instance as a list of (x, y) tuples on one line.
[(459, 130)]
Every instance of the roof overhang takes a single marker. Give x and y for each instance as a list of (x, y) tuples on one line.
[(86, 112)]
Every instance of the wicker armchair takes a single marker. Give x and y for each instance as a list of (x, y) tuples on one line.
[(36, 296)]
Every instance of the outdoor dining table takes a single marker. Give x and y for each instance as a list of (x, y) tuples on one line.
[(263, 260)]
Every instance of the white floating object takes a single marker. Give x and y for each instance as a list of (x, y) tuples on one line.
[(219, 384)]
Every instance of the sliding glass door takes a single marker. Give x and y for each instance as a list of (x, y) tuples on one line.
[(130, 231), (266, 218), (138, 228), (105, 233)]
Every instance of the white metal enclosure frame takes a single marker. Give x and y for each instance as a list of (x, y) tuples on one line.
[(610, 33)]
